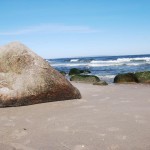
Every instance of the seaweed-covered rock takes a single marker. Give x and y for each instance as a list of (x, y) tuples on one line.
[(85, 78), (26, 78), (100, 83), (85, 71), (143, 77), (126, 78), (75, 71)]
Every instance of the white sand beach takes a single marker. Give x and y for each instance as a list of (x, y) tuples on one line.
[(113, 117)]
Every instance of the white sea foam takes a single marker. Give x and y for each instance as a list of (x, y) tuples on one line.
[(147, 59), (107, 78), (69, 64), (95, 65), (74, 60), (121, 60), (104, 63)]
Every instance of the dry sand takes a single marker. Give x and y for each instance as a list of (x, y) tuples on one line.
[(114, 117)]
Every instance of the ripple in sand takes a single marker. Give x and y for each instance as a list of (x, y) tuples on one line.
[(19, 134), (113, 129)]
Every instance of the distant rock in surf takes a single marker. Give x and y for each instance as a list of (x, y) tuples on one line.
[(26, 78), (85, 78), (138, 77), (100, 83), (75, 71), (143, 77), (126, 78)]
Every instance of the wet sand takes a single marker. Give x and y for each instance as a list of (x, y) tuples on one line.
[(113, 117)]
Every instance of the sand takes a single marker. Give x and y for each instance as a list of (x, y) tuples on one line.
[(113, 117)]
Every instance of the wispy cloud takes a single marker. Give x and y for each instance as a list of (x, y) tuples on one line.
[(50, 28)]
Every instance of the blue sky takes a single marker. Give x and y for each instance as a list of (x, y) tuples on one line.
[(69, 28)]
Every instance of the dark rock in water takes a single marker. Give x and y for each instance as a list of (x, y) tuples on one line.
[(85, 78), (63, 73), (86, 71), (143, 77), (100, 83), (75, 71), (126, 78), (26, 78)]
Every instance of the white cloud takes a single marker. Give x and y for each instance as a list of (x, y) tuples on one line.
[(50, 28)]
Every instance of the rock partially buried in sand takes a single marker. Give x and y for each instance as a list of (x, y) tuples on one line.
[(126, 78), (143, 77), (100, 83), (26, 78), (85, 78)]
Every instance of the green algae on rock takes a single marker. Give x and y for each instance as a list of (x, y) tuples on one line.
[(75, 71), (126, 78), (100, 83), (85, 78), (143, 77)]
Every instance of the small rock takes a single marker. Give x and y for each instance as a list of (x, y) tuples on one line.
[(75, 71), (100, 83), (126, 78), (85, 78)]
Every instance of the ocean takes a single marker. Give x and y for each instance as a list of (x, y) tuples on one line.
[(105, 67)]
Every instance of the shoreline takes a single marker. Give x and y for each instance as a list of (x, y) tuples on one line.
[(112, 117)]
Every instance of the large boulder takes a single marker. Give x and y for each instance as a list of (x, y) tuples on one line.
[(85, 78), (126, 78), (26, 78), (143, 77)]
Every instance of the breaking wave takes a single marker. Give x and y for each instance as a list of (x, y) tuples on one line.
[(104, 67)]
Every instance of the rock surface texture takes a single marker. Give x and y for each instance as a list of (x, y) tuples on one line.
[(75, 71), (126, 78), (85, 78), (143, 77), (26, 78)]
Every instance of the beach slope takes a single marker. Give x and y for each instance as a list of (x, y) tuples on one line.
[(113, 117)]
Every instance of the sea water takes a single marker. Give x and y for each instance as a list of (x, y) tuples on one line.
[(105, 67)]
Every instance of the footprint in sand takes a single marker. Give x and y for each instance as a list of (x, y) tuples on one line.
[(19, 134)]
